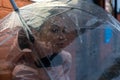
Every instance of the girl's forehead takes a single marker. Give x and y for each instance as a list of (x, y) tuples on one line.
[(57, 19), (61, 21)]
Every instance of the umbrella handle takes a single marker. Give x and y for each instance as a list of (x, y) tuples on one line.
[(14, 5)]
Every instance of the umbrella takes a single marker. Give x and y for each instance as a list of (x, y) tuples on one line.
[(87, 41)]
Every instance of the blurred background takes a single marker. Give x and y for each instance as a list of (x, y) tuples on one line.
[(112, 6), (6, 8)]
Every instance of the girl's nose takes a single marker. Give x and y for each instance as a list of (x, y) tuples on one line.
[(61, 36)]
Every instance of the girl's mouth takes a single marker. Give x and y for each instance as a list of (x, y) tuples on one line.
[(60, 45)]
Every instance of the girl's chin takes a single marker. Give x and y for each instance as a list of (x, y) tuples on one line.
[(57, 50)]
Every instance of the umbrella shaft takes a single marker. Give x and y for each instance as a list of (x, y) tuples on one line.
[(14, 5)]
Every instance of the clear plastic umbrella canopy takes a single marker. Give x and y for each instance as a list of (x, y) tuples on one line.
[(61, 41)]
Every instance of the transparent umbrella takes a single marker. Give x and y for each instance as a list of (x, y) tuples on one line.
[(56, 40)]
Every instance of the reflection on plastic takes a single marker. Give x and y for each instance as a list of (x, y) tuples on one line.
[(108, 34)]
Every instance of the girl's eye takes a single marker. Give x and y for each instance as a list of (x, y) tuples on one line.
[(64, 31), (55, 30)]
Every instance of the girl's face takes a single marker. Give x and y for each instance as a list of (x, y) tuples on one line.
[(57, 32)]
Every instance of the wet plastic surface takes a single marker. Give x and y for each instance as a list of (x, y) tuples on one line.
[(61, 41)]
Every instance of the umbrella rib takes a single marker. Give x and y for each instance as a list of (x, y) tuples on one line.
[(39, 60)]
